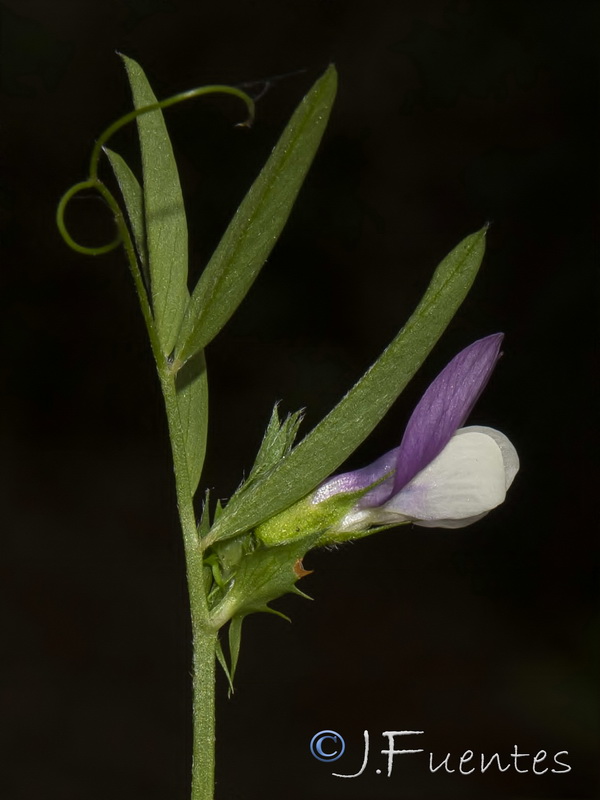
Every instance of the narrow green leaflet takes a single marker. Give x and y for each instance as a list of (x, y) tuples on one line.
[(192, 402), (235, 641), (166, 228), (223, 662), (276, 444), (192, 383), (355, 416), (134, 202), (257, 223)]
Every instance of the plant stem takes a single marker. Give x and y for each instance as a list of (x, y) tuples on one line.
[(205, 632), (203, 761), (204, 635)]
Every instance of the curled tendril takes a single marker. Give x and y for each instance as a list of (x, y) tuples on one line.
[(93, 182)]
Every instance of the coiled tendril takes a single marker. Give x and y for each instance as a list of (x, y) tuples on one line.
[(94, 182)]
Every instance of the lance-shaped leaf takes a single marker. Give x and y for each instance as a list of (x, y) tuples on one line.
[(235, 641), (134, 203), (192, 403), (166, 229), (276, 444), (192, 383), (256, 225), (350, 422)]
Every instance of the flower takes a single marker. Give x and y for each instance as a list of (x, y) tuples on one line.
[(442, 475)]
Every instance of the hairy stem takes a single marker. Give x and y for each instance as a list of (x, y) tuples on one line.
[(203, 761), (203, 633), (204, 630)]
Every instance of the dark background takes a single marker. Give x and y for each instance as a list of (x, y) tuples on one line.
[(449, 114)]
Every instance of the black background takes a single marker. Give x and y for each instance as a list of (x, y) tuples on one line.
[(449, 114)]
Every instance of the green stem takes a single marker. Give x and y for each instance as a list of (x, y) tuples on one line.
[(204, 630), (187, 516), (203, 761), (204, 634)]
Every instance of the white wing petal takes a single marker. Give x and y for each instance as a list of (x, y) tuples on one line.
[(509, 454), (466, 480)]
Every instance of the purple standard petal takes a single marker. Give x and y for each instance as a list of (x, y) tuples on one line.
[(445, 406)]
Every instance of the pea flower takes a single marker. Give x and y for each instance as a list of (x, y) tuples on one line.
[(442, 475)]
